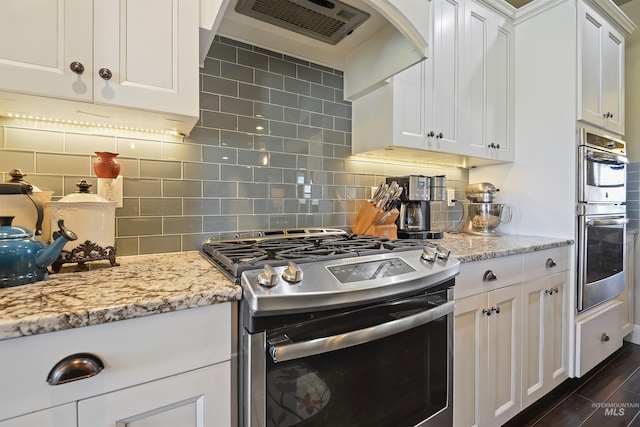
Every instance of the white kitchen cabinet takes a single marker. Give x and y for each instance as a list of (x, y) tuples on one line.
[(180, 370), (456, 106), (546, 307), (487, 342), (598, 335), (487, 81), (601, 70), (627, 297), (425, 96), (63, 415), (175, 401), (545, 336), (93, 56), (487, 357)]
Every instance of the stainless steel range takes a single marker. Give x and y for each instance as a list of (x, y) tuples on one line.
[(341, 330)]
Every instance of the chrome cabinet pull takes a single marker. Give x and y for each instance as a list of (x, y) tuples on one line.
[(488, 311), (77, 67), (75, 367), (551, 263), (105, 73), (489, 276)]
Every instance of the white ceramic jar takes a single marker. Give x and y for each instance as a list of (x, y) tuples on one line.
[(89, 215)]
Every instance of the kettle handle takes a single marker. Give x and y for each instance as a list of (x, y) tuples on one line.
[(27, 190)]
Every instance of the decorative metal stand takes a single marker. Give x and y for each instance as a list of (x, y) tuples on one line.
[(85, 252)]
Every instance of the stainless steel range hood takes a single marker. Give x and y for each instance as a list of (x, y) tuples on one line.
[(324, 20), (392, 38)]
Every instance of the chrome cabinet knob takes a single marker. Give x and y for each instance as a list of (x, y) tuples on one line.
[(268, 277), (489, 276), (431, 134), (605, 337), (292, 274), (550, 263), (77, 67), (439, 136), (105, 73)]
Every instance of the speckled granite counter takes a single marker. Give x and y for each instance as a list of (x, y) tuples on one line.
[(140, 286), (151, 284), (468, 248)]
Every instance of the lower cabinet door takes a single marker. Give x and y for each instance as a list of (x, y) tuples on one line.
[(505, 338), (59, 416), (199, 398)]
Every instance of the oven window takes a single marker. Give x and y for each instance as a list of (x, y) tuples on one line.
[(605, 249), (605, 174), (396, 381)]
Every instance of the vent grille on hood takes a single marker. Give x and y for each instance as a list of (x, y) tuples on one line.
[(327, 21)]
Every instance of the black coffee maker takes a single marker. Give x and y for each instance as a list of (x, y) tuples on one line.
[(414, 220)]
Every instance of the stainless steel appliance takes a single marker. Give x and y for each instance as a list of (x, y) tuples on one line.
[(341, 330), (483, 215), (414, 220), (602, 219), (602, 168)]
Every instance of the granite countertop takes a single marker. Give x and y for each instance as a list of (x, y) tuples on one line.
[(151, 284), (469, 248), (139, 286)]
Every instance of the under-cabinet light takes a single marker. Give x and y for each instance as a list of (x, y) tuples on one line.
[(90, 124)]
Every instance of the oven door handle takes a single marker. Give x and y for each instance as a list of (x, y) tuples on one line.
[(607, 157), (284, 352), (601, 222)]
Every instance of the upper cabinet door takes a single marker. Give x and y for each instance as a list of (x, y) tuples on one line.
[(601, 71), (39, 42), (146, 54)]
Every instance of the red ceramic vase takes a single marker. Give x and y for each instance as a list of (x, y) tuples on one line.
[(106, 165)]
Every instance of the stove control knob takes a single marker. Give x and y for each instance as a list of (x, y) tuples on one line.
[(292, 274), (268, 277), (428, 254), (443, 253)]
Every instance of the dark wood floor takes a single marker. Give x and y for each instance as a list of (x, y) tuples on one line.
[(608, 395)]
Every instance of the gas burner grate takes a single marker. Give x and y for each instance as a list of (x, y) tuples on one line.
[(235, 255)]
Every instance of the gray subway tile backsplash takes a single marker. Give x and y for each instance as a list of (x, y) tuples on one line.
[(227, 176)]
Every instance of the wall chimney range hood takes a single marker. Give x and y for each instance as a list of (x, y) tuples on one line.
[(369, 40), (324, 20)]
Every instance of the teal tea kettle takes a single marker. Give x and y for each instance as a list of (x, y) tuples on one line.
[(23, 260)]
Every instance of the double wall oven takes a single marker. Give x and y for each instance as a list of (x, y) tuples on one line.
[(602, 178), (341, 330)]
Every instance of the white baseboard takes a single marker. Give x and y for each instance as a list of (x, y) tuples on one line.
[(634, 336)]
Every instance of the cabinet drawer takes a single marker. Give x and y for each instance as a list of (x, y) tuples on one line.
[(546, 262), (471, 280), (132, 351), (592, 344)]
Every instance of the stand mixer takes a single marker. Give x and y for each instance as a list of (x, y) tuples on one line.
[(483, 215)]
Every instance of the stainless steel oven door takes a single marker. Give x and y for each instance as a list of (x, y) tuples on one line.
[(602, 176), (601, 258), (389, 364)]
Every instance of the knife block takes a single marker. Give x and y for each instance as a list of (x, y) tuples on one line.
[(387, 228), (365, 218)]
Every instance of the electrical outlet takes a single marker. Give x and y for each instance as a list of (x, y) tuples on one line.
[(111, 189), (451, 196)]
